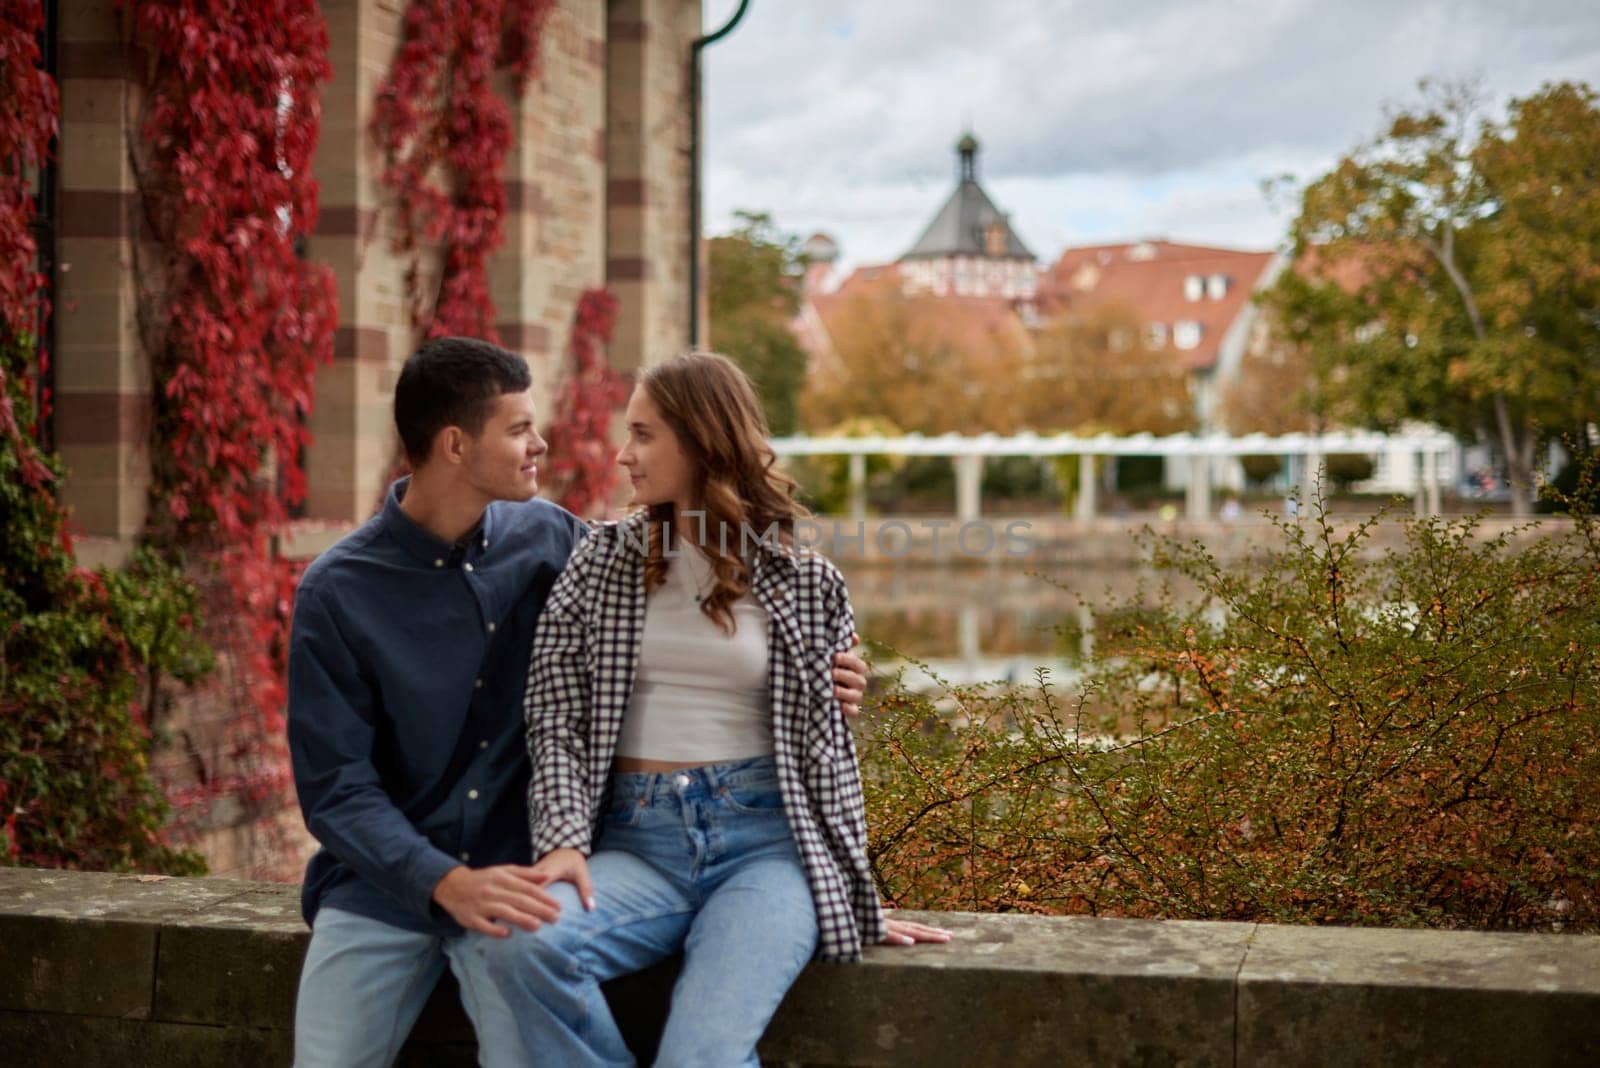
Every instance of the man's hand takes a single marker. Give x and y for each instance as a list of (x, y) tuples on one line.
[(478, 898), (907, 933), (568, 865), (850, 679)]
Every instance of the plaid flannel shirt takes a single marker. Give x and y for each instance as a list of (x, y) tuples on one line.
[(580, 676)]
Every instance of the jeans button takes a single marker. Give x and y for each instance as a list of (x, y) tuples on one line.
[(682, 780)]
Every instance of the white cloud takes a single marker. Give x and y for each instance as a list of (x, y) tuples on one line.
[(1098, 120)]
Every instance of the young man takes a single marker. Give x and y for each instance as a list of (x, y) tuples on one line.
[(407, 665)]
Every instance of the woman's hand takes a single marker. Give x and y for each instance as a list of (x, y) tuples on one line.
[(487, 899), (907, 933), (850, 679), (568, 865)]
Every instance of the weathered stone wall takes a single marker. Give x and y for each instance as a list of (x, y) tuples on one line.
[(597, 181), (116, 970)]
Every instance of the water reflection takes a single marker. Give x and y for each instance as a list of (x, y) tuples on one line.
[(991, 623)]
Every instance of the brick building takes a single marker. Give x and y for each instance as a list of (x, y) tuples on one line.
[(598, 184), (1194, 301)]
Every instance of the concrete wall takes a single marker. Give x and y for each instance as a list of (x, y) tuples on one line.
[(117, 970)]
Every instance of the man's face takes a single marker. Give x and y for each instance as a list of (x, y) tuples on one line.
[(502, 462)]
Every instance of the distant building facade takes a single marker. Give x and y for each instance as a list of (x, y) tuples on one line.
[(970, 249), (1193, 301)]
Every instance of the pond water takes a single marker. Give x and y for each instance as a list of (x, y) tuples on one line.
[(982, 624)]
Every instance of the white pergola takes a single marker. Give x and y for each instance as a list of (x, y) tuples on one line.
[(1423, 449)]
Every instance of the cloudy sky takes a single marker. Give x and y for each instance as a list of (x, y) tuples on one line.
[(1100, 120)]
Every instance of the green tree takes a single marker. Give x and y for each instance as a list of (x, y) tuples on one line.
[(1449, 270), (754, 293)]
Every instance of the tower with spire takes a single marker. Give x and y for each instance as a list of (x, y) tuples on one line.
[(970, 249)]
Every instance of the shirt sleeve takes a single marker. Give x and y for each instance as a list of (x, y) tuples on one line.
[(863, 891), (557, 712), (331, 734)]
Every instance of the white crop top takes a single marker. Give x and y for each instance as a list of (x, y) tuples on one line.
[(700, 695)]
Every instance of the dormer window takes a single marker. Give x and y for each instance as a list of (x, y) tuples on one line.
[(1158, 335), (1186, 335), (1194, 287), (1217, 286), (994, 240)]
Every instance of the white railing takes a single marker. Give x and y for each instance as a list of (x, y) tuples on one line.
[(1420, 477)]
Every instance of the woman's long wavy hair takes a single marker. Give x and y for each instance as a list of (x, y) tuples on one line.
[(712, 409)]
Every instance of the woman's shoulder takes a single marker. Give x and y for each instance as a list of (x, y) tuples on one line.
[(607, 537), (817, 571)]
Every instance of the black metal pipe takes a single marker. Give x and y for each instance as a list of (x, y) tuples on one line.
[(695, 49)]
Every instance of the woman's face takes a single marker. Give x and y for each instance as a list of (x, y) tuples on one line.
[(657, 465)]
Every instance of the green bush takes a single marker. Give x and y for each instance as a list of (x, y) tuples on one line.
[(1332, 736), (1343, 468), (1259, 467), (81, 653), (1136, 473), (1574, 488), (1019, 478)]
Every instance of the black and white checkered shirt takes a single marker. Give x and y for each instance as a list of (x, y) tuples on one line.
[(585, 651)]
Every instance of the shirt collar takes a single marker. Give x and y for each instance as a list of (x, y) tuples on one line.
[(419, 542)]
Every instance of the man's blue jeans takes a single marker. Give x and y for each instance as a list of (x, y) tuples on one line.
[(364, 982), (699, 860)]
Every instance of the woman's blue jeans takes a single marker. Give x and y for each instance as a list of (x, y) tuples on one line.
[(699, 860)]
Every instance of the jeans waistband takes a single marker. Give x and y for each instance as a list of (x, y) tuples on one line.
[(752, 773)]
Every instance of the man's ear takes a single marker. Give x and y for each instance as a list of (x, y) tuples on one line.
[(450, 445)]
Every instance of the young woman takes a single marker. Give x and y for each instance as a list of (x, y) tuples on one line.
[(695, 785)]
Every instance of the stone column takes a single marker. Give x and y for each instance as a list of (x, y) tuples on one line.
[(1198, 498), (647, 175), (1087, 486), (1310, 474), (556, 193), (858, 485), (102, 376), (351, 421), (969, 486)]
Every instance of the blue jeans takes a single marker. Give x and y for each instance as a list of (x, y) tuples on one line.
[(364, 982), (699, 860)]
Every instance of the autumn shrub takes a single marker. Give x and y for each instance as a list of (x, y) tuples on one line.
[(1334, 735), (82, 654)]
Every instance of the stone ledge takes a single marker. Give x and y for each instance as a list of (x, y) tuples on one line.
[(120, 969)]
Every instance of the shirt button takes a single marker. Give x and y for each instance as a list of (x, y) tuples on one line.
[(483, 745), (491, 627), (438, 563), (467, 566), (465, 855), (477, 684), (472, 795)]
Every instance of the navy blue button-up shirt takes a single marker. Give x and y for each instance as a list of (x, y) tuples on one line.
[(407, 663)]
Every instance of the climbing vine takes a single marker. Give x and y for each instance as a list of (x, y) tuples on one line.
[(582, 468), (235, 323), (443, 133), (78, 647)]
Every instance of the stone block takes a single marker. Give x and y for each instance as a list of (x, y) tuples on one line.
[(1068, 991), (89, 967), (48, 1040), (237, 964), (1340, 996)]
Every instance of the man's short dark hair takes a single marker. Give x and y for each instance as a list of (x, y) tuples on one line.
[(452, 381)]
